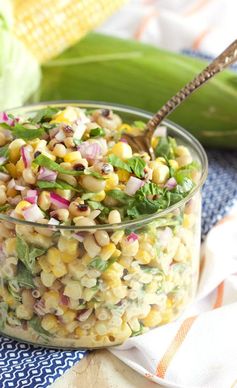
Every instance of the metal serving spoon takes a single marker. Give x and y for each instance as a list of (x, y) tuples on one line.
[(143, 142)]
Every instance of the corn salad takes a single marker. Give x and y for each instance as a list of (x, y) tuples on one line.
[(82, 264)]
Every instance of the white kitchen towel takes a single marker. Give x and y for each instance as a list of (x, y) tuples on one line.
[(178, 25), (200, 348)]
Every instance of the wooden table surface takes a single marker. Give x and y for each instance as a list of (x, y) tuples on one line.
[(100, 369)]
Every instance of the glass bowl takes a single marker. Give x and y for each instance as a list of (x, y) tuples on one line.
[(71, 300)]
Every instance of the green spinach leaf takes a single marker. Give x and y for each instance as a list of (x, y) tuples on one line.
[(27, 254), (118, 163), (35, 324), (137, 165), (45, 114)]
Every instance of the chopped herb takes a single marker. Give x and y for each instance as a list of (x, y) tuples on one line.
[(45, 114), (5, 207), (19, 131), (139, 124), (118, 163), (138, 332), (59, 184), (165, 147), (24, 277), (137, 165), (95, 205), (186, 171), (44, 161), (97, 132), (4, 151), (35, 324), (27, 254), (119, 195), (101, 265)]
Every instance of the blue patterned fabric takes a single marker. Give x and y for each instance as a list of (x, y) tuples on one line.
[(220, 189), (23, 365)]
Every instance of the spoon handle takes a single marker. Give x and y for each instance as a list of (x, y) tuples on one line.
[(225, 59)]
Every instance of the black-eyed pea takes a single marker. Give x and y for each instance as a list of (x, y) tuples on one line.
[(79, 209), (114, 217), (3, 139), (69, 142), (71, 180), (91, 247), (3, 196), (92, 184), (102, 237), (44, 201), (84, 221), (44, 231), (61, 214), (59, 150)]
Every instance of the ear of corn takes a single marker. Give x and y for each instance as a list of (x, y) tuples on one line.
[(104, 68)]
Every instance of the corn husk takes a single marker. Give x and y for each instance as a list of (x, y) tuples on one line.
[(103, 68)]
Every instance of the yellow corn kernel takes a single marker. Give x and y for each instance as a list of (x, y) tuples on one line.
[(126, 128), (169, 303), (167, 316), (117, 236), (154, 142), (152, 287), (59, 270), (73, 289), (10, 246), (15, 149), (24, 312), (160, 174), (107, 251), (143, 257), (66, 116), (68, 245), (79, 332), (173, 164), (72, 157), (122, 150), (44, 264), (116, 254), (85, 259), (54, 256), (188, 220), (123, 175), (161, 160), (111, 182), (49, 323), (44, 200), (153, 318), (20, 167), (68, 317), (47, 278), (21, 206), (100, 196), (67, 258), (7, 297), (11, 168), (52, 299), (61, 331)]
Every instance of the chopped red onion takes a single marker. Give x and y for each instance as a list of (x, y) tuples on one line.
[(4, 118), (31, 196), (47, 175), (58, 201), (133, 184), (79, 236), (160, 132), (26, 157), (64, 300), (11, 184), (14, 185), (4, 177), (132, 237), (2, 160), (89, 151), (32, 213), (171, 183), (123, 140), (19, 187)]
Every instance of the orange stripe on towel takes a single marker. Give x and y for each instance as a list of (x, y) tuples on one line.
[(174, 346), (196, 7), (198, 41), (181, 335), (144, 23), (219, 296)]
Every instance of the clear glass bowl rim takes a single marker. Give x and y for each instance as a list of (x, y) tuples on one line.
[(84, 104)]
